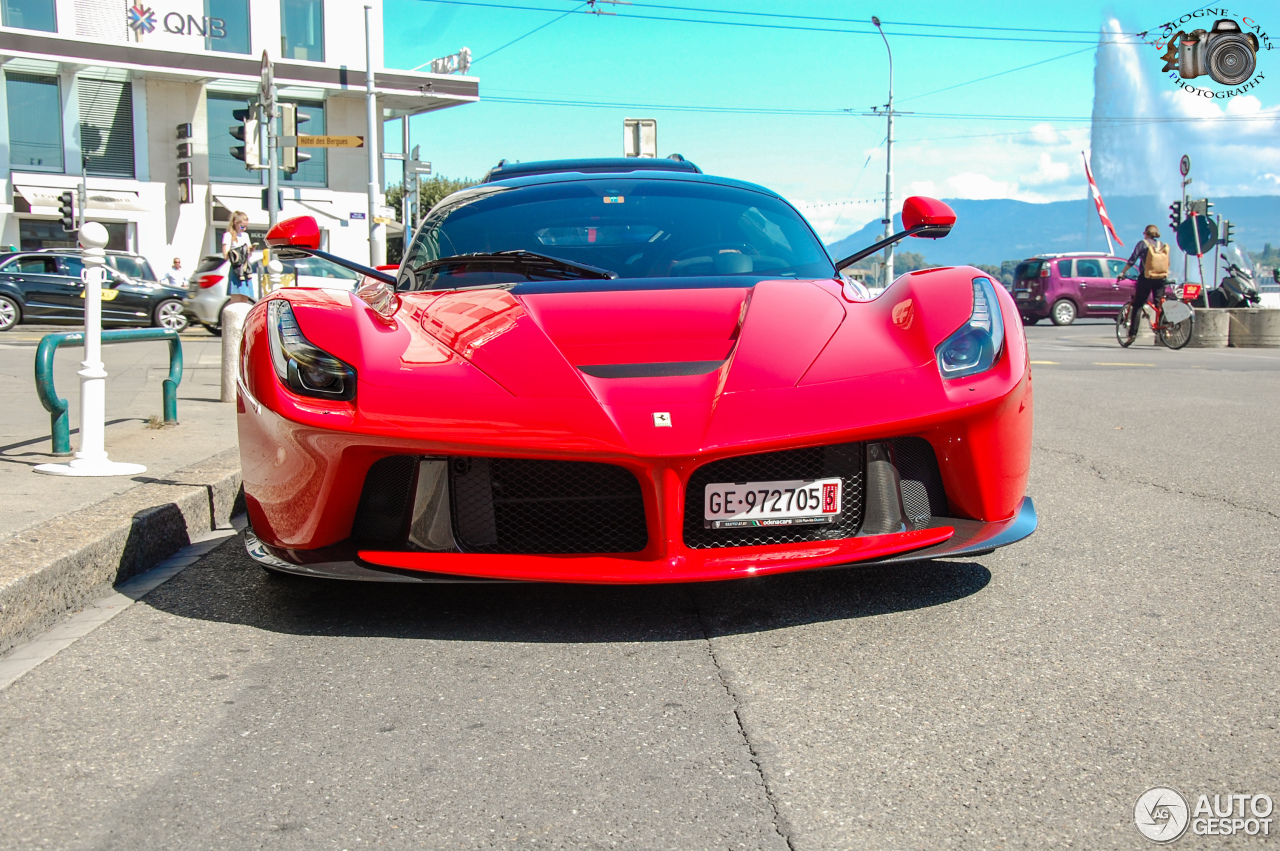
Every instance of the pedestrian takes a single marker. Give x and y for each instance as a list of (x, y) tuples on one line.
[(175, 277), (237, 248), (1151, 256)]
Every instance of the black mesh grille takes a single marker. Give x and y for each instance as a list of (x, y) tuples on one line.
[(922, 492), (382, 514), (516, 505), (844, 460)]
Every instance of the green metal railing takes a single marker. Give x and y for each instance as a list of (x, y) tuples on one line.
[(57, 407)]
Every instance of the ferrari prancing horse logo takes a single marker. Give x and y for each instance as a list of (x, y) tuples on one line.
[(661, 419)]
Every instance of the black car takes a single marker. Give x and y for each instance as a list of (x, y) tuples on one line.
[(46, 287)]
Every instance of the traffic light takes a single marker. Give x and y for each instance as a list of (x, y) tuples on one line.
[(186, 150), (1226, 232), (290, 119), (67, 210), (247, 132), (1175, 214)]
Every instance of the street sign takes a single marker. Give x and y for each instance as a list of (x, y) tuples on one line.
[(330, 141), (1197, 234), (416, 167), (459, 62), (1185, 165), (266, 87)]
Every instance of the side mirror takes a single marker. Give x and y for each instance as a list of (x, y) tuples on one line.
[(379, 295), (298, 232), (934, 216)]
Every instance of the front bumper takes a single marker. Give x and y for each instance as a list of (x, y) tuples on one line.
[(960, 539)]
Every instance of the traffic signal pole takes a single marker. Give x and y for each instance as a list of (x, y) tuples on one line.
[(273, 179)]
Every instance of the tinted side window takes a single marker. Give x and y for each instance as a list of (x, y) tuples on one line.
[(38, 265), (1064, 268), (1117, 266), (129, 266), (72, 266), (1089, 268)]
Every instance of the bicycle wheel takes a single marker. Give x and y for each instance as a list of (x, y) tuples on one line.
[(1177, 335), (1122, 327)]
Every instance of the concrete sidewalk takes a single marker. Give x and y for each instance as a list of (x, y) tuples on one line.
[(64, 542), (136, 372)]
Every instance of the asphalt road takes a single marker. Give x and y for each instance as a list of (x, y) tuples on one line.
[(1023, 699)]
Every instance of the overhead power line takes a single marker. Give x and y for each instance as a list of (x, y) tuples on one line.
[(631, 16), (531, 32)]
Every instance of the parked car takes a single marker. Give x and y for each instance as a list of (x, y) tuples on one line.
[(206, 292), (1065, 287), (598, 372), (46, 287)]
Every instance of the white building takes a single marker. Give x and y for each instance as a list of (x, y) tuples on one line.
[(108, 88)]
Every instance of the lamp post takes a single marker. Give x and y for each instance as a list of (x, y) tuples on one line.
[(887, 221)]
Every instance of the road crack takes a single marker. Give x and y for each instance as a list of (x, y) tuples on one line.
[(1102, 476), (736, 702)]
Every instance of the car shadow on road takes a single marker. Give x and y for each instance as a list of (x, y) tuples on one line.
[(226, 586)]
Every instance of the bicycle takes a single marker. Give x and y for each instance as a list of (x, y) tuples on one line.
[(1173, 323)]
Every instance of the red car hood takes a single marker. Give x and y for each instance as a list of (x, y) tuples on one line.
[(629, 355)]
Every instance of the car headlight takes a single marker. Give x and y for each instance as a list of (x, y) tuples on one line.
[(307, 369), (976, 345)]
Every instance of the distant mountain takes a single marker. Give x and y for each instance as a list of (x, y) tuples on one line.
[(1003, 229)]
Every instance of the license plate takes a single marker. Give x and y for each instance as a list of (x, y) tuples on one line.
[(1022, 296), (797, 502)]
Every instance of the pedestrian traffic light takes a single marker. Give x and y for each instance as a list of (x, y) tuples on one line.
[(1226, 232), (67, 210), (290, 119), (1175, 214), (266, 199), (247, 132)]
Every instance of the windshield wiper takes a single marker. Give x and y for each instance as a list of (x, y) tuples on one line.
[(520, 257)]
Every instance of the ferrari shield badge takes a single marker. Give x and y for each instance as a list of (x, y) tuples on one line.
[(661, 419)]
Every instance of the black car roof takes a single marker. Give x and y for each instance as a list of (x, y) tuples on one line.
[(604, 173), (613, 165)]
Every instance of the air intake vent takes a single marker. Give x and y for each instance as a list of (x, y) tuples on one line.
[(922, 492), (843, 460), (382, 516), (517, 505)]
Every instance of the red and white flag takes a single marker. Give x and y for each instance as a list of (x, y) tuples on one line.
[(1097, 200)]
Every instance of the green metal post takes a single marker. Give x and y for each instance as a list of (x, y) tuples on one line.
[(171, 383), (59, 422)]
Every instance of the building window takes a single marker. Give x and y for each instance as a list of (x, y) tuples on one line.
[(222, 166), (30, 15), (35, 234), (315, 171), (106, 127), (35, 122), (234, 15), (302, 22)]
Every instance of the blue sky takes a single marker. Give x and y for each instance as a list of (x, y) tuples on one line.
[(829, 164)]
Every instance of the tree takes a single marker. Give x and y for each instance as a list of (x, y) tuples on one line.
[(432, 190)]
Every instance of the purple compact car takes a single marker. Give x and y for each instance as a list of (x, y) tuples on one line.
[(1066, 286)]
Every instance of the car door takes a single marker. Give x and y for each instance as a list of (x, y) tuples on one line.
[(120, 306), (50, 294), (1122, 291), (1095, 285)]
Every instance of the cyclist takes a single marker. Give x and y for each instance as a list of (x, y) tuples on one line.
[(1151, 256)]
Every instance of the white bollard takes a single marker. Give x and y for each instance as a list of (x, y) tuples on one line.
[(232, 331), (91, 457), (274, 270)]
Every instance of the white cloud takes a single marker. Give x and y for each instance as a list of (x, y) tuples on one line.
[(971, 184), (1044, 134), (922, 187), (1049, 171)]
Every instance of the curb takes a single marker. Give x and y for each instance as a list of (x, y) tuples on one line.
[(64, 564)]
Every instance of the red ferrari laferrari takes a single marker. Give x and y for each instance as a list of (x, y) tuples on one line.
[(628, 371)]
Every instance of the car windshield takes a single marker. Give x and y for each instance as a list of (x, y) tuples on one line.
[(632, 227)]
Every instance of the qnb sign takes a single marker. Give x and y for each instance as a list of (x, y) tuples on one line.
[(143, 19)]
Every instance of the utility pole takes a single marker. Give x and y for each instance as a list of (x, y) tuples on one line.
[(888, 165), (82, 192), (267, 94), (377, 246), (1184, 167)]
